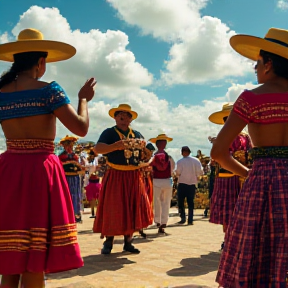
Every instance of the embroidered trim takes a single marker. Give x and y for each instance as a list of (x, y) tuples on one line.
[(122, 136), (36, 145), (37, 238), (269, 152)]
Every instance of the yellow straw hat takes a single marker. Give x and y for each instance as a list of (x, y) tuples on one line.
[(217, 117), (161, 137), (32, 40), (124, 108), (68, 138), (275, 41)]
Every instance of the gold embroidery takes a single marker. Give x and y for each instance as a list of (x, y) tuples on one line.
[(37, 238)]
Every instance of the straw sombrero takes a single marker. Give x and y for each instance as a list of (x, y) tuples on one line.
[(275, 41), (217, 117), (124, 108), (68, 139), (161, 137), (32, 40)]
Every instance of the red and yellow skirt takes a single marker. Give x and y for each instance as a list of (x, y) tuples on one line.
[(37, 227), (124, 206)]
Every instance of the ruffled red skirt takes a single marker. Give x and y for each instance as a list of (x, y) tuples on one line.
[(37, 227), (123, 206)]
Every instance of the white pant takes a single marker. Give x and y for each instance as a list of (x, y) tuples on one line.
[(162, 190)]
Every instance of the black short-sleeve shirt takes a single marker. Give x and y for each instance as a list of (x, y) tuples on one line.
[(110, 136)]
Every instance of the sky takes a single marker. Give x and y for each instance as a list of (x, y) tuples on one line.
[(169, 59)]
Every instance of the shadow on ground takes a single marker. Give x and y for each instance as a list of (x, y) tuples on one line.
[(196, 266), (96, 263)]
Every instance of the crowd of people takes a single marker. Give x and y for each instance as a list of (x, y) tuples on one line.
[(248, 173)]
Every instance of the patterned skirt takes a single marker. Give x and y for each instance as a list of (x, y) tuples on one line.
[(37, 227), (75, 192), (256, 243), (223, 200), (123, 206)]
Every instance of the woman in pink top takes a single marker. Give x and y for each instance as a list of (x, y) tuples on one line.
[(256, 244)]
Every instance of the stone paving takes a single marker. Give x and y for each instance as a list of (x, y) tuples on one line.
[(186, 257)]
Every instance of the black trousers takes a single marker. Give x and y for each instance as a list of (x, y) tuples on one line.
[(188, 192)]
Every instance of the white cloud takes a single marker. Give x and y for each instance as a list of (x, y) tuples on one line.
[(282, 4), (103, 55), (200, 50), (164, 19), (121, 79)]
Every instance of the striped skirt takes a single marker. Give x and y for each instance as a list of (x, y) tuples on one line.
[(256, 243), (75, 192), (37, 227), (223, 200)]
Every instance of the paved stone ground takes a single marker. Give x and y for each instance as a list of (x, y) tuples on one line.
[(186, 257)]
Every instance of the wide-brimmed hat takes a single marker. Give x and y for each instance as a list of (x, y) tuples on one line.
[(68, 138), (161, 137), (32, 40), (124, 108), (275, 41), (217, 117)]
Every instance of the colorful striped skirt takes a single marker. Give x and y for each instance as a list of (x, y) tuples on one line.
[(75, 192), (223, 200), (37, 227), (256, 243), (124, 205)]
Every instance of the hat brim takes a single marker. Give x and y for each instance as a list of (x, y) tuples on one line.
[(153, 140), (113, 110), (57, 51), (250, 46), (217, 117)]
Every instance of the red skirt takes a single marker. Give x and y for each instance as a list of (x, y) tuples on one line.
[(37, 227), (92, 191), (123, 206)]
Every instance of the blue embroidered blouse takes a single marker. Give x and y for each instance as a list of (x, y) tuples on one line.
[(32, 102)]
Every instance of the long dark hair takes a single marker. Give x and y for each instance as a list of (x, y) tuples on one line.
[(280, 64), (22, 62)]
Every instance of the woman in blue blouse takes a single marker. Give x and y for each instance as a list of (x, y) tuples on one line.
[(42, 237)]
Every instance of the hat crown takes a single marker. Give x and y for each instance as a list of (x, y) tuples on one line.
[(227, 107), (124, 107), (30, 34), (279, 35)]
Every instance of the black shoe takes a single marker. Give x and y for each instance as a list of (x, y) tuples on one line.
[(182, 222), (190, 223), (92, 216), (161, 229), (144, 235), (222, 246), (128, 247), (107, 247)]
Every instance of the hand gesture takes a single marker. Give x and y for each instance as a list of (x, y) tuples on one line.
[(119, 145), (87, 91)]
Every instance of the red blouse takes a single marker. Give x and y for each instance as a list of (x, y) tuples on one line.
[(262, 108)]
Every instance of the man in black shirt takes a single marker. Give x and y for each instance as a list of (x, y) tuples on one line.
[(123, 203)]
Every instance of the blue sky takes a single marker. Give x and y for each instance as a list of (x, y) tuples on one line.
[(169, 59)]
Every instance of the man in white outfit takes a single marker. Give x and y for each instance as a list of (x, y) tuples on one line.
[(188, 171), (163, 166)]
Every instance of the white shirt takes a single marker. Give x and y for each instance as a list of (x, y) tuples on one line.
[(188, 170)]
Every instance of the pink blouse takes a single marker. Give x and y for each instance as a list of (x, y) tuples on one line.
[(262, 108)]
